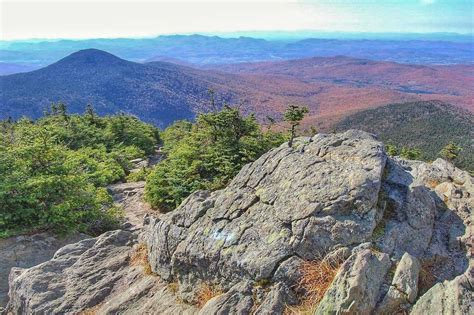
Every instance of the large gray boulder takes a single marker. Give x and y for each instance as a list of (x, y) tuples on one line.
[(327, 195), (404, 287), (454, 297), (406, 276), (292, 202), (409, 209), (70, 282)]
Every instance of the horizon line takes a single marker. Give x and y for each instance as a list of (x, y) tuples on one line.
[(235, 34)]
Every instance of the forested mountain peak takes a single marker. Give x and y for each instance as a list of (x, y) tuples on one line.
[(83, 60)]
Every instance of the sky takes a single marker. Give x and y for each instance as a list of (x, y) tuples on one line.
[(144, 18)]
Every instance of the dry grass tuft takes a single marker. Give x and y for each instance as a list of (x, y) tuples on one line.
[(205, 293), (316, 277), (139, 257), (91, 311), (428, 273), (432, 183), (174, 287)]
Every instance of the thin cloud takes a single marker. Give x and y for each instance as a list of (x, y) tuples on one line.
[(428, 2)]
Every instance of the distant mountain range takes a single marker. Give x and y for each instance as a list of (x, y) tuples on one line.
[(428, 125), (161, 92), (202, 50)]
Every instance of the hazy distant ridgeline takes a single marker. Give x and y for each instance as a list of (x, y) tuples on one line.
[(208, 50), (161, 92)]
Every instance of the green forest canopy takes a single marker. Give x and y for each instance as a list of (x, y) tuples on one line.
[(423, 127)]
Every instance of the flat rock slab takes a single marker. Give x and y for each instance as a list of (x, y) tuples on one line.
[(25, 251), (93, 274)]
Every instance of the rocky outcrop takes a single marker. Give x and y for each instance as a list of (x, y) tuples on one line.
[(28, 251), (402, 231), (64, 282), (94, 274), (25, 251), (292, 202)]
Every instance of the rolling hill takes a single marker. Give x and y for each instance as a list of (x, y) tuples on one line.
[(449, 83), (161, 92), (428, 126)]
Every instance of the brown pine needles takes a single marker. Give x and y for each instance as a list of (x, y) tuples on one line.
[(205, 293), (316, 277), (140, 257)]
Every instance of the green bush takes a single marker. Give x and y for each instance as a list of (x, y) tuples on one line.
[(98, 167), (410, 153), (391, 149), (138, 176), (450, 152), (54, 170), (205, 155)]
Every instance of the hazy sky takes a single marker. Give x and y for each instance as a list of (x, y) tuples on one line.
[(107, 18)]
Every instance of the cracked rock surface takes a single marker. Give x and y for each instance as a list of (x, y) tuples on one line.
[(26, 251), (93, 276), (292, 202), (356, 288), (130, 197), (404, 287), (325, 197)]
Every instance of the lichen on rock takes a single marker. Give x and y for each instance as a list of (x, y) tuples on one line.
[(292, 202)]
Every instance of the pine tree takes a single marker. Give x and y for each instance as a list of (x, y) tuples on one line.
[(90, 113), (450, 152), (294, 115), (410, 153), (62, 111)]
